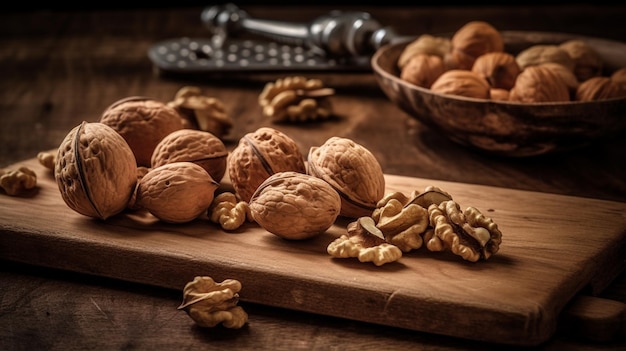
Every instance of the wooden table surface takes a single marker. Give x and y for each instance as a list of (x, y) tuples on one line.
[(60, 67)]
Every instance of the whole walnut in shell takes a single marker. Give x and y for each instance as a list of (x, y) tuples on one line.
[(499, 69), (295, 205), (176, 192), (422, 70), (462, 83), (425, 44), (260, 154), (95, 170), (542, 53), (600, 88), (539, 84), (193, 145), (142, 122), (473, 39), (352, 170), (566, 74), (587, 61)]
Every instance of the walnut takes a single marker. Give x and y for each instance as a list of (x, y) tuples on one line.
[(352, 170), (499, 94), (539, 84), (142, 122), (472, 40), (468, 233), (201, 112), (600, 88), (587, 61), (176, 192), (192, 145), (296, 99), (619, 75), (542, 53), (462, 83), (422, 70), (425, 44), (295, 206), (209, 303), (365, 242), (95, 170), (18, 181), (499, 69), (259, 155), (566, 74)]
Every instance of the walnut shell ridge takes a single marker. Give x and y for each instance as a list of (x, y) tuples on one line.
[(95, 170)]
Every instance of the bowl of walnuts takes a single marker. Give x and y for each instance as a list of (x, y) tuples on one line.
[(510, 93)]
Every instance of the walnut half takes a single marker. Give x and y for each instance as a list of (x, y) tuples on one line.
[(468, 233)]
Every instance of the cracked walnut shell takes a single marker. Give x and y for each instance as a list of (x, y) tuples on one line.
[(259, 155), (201, 112), (95, 170), (352, 170)]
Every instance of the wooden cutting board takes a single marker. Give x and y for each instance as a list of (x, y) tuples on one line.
[(552, 247)]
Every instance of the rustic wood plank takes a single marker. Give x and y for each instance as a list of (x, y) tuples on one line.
[(553, 246)]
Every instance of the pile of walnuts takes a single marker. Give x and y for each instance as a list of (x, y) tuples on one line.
[(473, 63)]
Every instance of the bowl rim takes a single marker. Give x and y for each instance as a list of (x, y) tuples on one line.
[(404, 41)]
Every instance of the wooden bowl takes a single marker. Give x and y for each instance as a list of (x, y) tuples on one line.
[(510, 128)]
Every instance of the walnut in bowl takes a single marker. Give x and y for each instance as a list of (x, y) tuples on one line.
[(505, 127)]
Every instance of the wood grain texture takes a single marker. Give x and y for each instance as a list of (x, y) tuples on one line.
[(553, 246)]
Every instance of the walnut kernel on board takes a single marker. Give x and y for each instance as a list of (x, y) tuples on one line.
[(365, 242), (17, 181)]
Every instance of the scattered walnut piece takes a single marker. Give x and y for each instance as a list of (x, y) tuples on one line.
[(202, 112), (365, 242), (228, 211), (16, 182), (468, 233), (47, 159), (403, 219), (209, 303), (296, 99)]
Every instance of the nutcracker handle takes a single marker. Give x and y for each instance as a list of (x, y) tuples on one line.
[(337, 34)]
